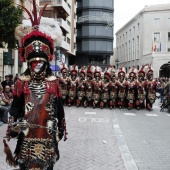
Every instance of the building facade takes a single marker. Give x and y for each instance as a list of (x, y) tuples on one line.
[(145, 39), (63, 11), (94, 32)]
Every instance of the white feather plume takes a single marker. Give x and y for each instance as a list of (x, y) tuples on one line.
[(47, 26)]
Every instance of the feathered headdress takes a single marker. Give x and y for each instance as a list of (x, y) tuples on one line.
[(90, 71), (141, 71), (133, 72), (64, 67), (97, 71), (83, 70), (109, 72), (37, 36), (121, 70), (74, 70)]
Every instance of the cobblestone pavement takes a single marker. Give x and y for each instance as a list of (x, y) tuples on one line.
[(91, 145)]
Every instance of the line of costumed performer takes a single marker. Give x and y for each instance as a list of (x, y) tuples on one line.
[(37, 114)]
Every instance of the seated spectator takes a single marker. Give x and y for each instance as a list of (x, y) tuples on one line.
[(7, 96), (3, 109)]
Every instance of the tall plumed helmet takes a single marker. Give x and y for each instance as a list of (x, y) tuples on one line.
[(90, 71), (121, 71), (97, 72), (141, 72), (133, 72), (74, 70), (150, 70), (109, 71), (37, 36), (64, 68), (83, 70)]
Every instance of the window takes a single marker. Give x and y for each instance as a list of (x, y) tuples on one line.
[(69, 5), (156, 36), (129, 56), (138, 26), (68, 40), (74, 45), (134, 29), (156, 22), (126, 34), (68, 22), (130, 32), (168, 49), (133, 49), (168, 36), (137, 47)]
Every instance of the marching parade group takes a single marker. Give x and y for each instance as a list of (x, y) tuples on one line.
[(89, 86)]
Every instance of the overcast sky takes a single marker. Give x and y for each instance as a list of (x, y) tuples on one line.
[(124, 10)]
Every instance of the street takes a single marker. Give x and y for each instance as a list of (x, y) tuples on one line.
[(104, 139)]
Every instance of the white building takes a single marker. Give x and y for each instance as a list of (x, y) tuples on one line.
[(146, 39)]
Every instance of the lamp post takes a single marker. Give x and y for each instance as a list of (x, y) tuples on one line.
[(117, 63), (57, 58)]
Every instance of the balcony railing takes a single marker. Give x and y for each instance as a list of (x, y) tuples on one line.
[(61, 3), (63, 24)]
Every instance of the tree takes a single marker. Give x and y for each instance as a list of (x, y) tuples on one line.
[(10, 18)]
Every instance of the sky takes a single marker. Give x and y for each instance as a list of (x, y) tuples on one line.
[(124, 10)]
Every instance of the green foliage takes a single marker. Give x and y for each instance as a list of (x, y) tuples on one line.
[(10, 18)]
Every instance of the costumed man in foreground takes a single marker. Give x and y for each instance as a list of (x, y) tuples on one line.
[(37, 114)]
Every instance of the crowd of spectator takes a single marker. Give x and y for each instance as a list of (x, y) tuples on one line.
[(6, 97), (163, 88)]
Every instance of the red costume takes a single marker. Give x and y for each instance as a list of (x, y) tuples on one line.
[(113, 89), (72, 90), (37, 113), (106, 86), (89, 86), (141, 93), (122, 87), (97, 88), (81, 87), (150, 87), (64, 83), (132, 86)]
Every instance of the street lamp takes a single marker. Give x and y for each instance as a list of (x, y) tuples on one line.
[(117, 63), (57, 55)]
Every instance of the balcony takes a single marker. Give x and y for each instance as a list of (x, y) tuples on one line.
[(63, 24), (65, 45), (61, 5)]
